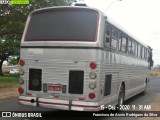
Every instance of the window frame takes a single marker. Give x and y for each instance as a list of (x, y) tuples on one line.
[(139, 50), (124, 37), (115, 39), (129, 50), (108, 36)]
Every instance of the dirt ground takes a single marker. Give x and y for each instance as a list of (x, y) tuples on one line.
[(8, 92)]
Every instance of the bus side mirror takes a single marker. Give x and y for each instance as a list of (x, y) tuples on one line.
[(151, 62)]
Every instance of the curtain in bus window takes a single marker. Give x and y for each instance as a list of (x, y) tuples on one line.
[(114, 39), (129, 46), (139, 50), (142, 55), (124, 41), (63, 26), (136, 49), (108, 36), (133, 47), (119, 40), (145, 53)]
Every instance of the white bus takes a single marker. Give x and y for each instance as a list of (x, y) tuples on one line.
[(75, 58)]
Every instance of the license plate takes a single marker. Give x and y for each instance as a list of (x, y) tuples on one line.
[(55, 88)]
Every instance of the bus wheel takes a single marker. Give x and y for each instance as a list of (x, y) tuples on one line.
[(120, 98)]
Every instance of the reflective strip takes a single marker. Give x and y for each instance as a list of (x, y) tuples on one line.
[(24, 100), (66, 102), (85, 103), (53, 103), (86, 106)]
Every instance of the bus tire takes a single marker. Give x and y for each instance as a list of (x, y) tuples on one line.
[(120, 98)]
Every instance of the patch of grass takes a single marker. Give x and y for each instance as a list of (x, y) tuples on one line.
[(9, 81)]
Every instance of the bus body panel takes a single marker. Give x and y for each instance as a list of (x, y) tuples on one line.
[(133, 72)]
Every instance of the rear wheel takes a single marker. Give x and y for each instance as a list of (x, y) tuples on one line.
[(120, 98)]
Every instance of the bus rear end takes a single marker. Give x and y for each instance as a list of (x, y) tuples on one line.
[(60, 59)]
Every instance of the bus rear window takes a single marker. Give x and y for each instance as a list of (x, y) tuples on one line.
[(62, 26)]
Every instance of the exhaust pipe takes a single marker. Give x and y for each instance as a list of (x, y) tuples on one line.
[(32, 101)]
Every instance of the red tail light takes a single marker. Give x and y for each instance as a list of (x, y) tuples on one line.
[(20, 90), (21, 62), (93, 65), (91, 95)]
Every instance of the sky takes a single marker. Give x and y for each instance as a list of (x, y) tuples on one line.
[(139, 17)]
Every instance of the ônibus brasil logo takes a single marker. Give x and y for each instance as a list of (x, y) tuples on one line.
[(14, 2)]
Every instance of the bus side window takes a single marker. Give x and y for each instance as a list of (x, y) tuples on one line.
[(124, 43), (108, 36), (145, 53), (129, 46), (114, 40), (136, 49), (142, 52), (119, 40), (139, 50), (133, 48)]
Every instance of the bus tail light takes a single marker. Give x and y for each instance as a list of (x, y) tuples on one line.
[(92, 85), (92, 75), (91, 95), (93, 65), (20, 90), (21, 62)]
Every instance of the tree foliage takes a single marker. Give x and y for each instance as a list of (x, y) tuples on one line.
[(13, 60), (12, 22)]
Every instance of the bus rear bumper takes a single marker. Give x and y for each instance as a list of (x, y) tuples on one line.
[(85, 106), (59, 104), (42, 102)]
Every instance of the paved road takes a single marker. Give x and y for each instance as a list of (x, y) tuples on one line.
[(151, 98)]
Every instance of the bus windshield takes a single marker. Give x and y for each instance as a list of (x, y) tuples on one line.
[(62, 26)]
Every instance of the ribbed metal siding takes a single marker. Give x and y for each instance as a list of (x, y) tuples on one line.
[(57, 71)]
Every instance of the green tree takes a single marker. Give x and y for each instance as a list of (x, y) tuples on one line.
[(12, 22), (13, 60)]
